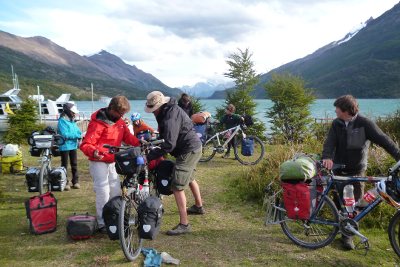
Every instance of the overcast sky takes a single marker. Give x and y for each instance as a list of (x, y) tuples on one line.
[(182, 42)]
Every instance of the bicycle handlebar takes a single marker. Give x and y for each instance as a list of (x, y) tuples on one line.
[(143, 144)]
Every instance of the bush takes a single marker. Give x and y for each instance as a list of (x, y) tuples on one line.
[(391, 125), (22, 123)]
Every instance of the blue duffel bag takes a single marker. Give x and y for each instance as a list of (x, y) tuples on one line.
[(247, 146)]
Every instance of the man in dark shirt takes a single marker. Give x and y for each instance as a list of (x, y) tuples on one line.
[(185, 103), (230, 120), (182, 142), (347, 143)]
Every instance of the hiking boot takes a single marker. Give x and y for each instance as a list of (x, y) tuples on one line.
[(76, 186), (347, 242), (226, 156), (195, 210), (180, 229), (67, 187)]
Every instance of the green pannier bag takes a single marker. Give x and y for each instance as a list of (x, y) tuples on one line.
[(301, 168)]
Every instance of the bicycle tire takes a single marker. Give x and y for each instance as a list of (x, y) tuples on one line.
[(207, 147), (128, 230), (395, 240), (43, 175), (242, 159), (312, 245)]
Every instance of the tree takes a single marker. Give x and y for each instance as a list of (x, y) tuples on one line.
[(241, 70), (22, 123), (290, 113), (197, 105)]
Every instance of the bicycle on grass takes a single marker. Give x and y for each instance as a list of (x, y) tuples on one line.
[(132, 196), (326, 220), (214, 145), (46, 145)]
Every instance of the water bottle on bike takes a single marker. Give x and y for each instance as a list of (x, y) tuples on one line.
[(348, 198), (368, 197)]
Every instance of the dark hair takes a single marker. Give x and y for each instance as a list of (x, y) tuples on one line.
[(120, 104), (185, 98), (347, 103)]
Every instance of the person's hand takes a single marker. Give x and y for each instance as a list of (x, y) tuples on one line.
[(327, 163), (96, 155)]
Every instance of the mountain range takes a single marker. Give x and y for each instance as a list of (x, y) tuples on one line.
[(365, 63), (39, 61), (206, 89)]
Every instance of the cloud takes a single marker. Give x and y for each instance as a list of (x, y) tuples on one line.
[(223, 20)]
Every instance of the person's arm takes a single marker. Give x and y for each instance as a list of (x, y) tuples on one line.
[(89, 143), (376, 136), (129, 138), (65, 129), (329, 148)]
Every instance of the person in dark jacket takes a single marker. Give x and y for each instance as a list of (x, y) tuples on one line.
[(230, 120), (182, 142), (68, 128), (347, 143), (185, 103)]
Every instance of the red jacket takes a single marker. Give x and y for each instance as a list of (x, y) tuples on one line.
[(102, 131)]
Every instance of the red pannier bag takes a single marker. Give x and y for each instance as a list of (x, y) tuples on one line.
[(296, 198), (42, 213)]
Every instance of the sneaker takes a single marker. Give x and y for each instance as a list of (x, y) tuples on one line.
[(67, 187), (194, 210), (76, 186), (347, 242), (180, 229), (226, 156)]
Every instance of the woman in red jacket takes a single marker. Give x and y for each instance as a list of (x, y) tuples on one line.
[(106, 127)]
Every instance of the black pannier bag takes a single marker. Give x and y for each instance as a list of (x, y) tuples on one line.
[(81, 226), (110, 216), (150, 214), (32, 179), (125, 161), (164, 173), (58, 179)]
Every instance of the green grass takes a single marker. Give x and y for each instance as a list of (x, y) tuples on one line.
[(231, 233)]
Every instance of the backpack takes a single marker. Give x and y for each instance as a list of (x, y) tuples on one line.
[(58, 179), (125, 161), (32, 179), (150, 214), (248, 120), (111, 215), (82, 226), (247, 146), (296, 199), (200, 130), (164, 173), (41, 212)]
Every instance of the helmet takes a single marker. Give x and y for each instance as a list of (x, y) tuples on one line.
[(135, 116), (388, 193)]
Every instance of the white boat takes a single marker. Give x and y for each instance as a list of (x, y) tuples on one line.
[(49, 110)]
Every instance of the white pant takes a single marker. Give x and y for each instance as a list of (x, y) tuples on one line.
[(106, 185)]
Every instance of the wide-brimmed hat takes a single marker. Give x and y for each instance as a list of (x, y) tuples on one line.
[(154, 100)]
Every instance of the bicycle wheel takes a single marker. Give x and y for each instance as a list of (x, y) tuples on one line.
[(208, 151), (394, 233), (128, 222), (316, 233), (258, 152), (43, 179)]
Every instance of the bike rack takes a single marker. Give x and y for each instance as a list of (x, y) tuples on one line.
[(272, 205)]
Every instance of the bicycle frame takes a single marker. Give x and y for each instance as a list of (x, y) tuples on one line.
[(235, 130), (332, 184)]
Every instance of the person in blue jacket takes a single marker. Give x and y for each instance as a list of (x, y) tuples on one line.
[(68, 128)]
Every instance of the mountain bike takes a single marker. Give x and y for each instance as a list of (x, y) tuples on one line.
[(132, 196), (326, 220), (48, 145), (214, 145)]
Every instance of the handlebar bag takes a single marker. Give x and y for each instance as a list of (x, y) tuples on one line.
[(125, 161), (81, 226)]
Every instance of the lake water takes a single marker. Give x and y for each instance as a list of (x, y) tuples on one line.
[(322, 108)]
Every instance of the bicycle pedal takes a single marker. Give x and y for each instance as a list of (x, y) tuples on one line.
[(363, 245)]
